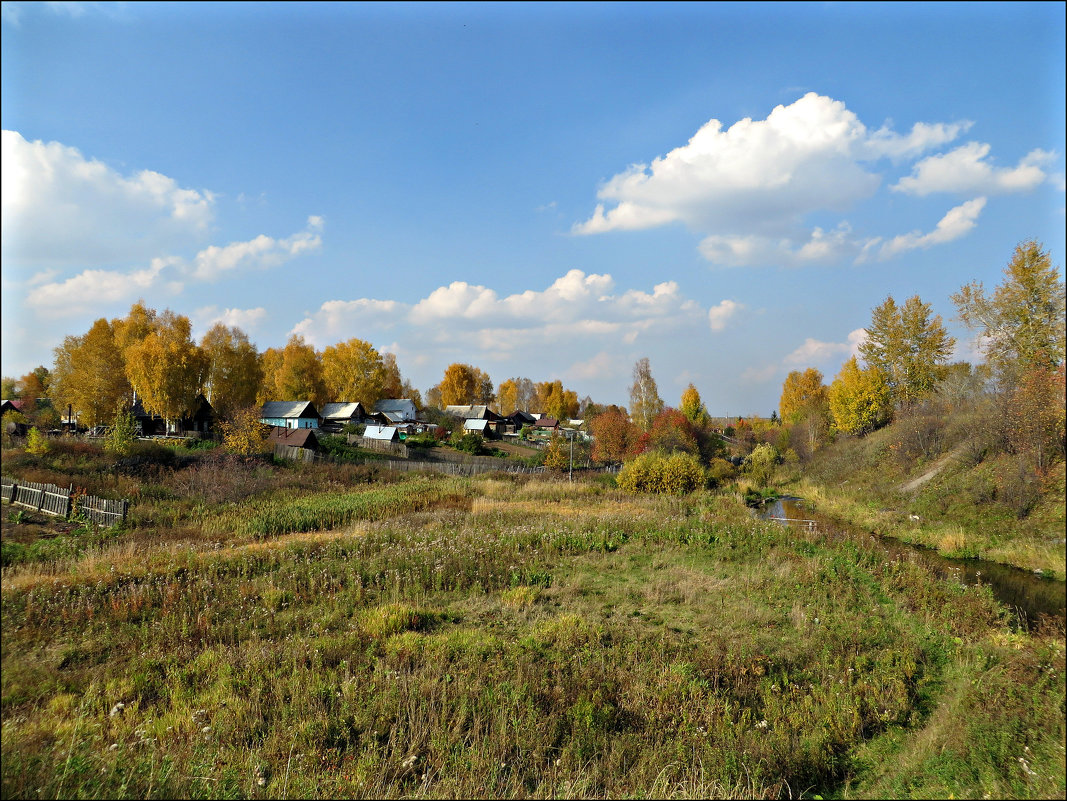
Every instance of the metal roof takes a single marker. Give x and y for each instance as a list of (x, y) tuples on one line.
[(386, 433), (282, 409), (342, 411)]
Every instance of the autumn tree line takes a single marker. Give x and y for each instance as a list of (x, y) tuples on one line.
[(1014, 398), (903, 373)]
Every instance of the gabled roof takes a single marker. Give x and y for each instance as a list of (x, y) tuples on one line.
[(519, 416), (393, 417), (283, 409), (478, 412), (546, 422), (296, 437), (386, 433), (474, 424), (393, 404), (342, 411)]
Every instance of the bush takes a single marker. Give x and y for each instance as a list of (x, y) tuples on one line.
[(471, 442), (424, 440), (677, 474), (720, 471), (760, 464)]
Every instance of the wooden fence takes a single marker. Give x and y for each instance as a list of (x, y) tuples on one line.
[(380, 445), (58, 502)]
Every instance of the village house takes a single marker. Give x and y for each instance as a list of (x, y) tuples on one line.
[(334, 416), (289, 414), (397, 410), (200, 422)]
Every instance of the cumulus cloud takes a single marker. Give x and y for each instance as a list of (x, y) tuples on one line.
[(757, 174), (576, 305), (91, 288), (749, 189), (821, 247), (261, 253), (245, 319), (816, 352), (61, 209), (956, 223), (968, 170), (719, 315)]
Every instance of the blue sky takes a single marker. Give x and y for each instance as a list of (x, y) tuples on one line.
[(543, 190)]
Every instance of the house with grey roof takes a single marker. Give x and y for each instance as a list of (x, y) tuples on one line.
[(334, 416), (397, 410), (289, 414)]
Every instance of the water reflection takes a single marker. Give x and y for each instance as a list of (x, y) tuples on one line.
[(1029, 595)]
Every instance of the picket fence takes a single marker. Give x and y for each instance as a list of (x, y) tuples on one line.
[(58, 502)]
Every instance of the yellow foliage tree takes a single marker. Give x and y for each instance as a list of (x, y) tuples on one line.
[(354, 371), (89, 374), (860, 399), (507, 396), (802, 392), (243, 434), (167, 368), (234, 374), (693, 407), (464, 385), (294, 373)]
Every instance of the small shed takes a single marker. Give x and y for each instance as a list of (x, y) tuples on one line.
[(293, 437), (382, 433)]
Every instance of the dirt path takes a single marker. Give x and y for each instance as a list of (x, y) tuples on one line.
[(935, 468)]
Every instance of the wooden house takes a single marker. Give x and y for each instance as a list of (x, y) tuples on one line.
[(289, 414)]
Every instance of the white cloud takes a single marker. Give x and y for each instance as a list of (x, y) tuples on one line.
[(756, 177), (719, 315), (750, 189), (340, 320), (261, 253), (822, 247), (923, 137), (967, 170), (63, 210), (91, 288), (575, 307), (814, 352), (602, 365), (248, 320), (956, 223)]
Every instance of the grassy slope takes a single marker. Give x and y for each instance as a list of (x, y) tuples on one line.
[(498, 638), (965, 509)]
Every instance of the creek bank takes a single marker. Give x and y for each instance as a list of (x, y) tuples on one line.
[(1028, 595)]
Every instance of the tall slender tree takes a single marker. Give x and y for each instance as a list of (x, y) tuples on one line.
[(645, 402), (909, 345), (1021, 325), (234, 373)]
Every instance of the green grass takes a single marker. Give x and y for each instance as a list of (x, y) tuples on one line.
[(502, 637)]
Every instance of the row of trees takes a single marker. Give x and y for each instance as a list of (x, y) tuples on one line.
[(153, 354), (905, 358)]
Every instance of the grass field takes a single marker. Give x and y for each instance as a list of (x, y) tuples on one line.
[(329, 631)]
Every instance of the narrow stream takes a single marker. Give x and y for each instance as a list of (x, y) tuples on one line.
[(1029, 595)]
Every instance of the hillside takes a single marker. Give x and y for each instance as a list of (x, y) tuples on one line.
[(956, 496)]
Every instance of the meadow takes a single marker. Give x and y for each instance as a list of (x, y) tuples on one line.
[(320, 631)]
